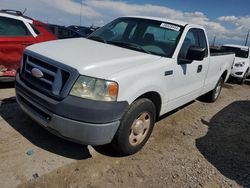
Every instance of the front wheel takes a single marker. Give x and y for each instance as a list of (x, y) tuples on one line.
[(135, 128), (243, 80), (213, 95)]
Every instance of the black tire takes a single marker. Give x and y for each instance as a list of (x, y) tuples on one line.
[(213, 95), (243, 80), (123, 138)]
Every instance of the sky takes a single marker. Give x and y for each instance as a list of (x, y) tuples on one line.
[(228, 20)]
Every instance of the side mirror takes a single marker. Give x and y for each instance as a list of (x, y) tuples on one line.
[(194, 53)]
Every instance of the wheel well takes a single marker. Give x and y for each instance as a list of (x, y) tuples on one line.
[(224, 75), (247, 72), (155, 98)]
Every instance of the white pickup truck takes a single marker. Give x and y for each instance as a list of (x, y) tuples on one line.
[(112, 86), (241, 68)]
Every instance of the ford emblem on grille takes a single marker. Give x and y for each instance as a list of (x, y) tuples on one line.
[(36, 73)]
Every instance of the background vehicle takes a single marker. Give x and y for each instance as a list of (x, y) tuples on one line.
[(84, 31), (62, 32), (241, 67), (17, 32), (73, 31), (112, 86)]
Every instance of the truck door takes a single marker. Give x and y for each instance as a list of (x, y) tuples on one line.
[(189, 77), (14, 37)]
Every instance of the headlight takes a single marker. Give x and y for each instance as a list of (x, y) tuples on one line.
[(95, 89), (239, 64)]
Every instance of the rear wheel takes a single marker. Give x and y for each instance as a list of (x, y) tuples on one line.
[(213, 95), (135, 128)]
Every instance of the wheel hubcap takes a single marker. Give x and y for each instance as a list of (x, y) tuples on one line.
[(139, 129)]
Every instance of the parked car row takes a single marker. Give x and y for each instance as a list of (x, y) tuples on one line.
[(62, 32), (83, 31), (18, 31)]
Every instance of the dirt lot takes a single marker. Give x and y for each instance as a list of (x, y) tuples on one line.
[(199, 145)]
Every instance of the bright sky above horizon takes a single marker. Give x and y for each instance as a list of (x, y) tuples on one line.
[(212, 8), (228, 20)]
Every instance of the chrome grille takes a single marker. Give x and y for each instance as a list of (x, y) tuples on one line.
[(57, 78)]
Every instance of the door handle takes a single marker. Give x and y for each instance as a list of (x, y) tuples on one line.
[(167, 73), (199, 69)]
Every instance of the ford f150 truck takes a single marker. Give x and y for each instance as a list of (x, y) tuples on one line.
[(112, 86), (17, 32), (241, 68)]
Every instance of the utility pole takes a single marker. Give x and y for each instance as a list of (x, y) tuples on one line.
[(24, 10), (247, 37), (81, 14), (214, 40)]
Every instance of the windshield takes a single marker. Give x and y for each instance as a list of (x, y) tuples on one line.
[(148, 36), (243, 53)]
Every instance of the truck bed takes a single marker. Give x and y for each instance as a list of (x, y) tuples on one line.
[(216, 51)]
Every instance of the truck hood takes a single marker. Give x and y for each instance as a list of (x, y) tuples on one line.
[(92, 58), (239, 59)]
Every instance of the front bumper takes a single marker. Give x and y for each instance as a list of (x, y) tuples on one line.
[(83, 121), (7, 76), (7, 79), (238, 72)]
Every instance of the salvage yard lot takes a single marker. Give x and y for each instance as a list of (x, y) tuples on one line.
[(199, 145)]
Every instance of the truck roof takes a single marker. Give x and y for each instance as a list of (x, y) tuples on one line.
[(178, 22), (236, 46)]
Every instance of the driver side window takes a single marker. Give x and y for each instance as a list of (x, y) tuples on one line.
[(114, 31), (119, 29), (190, 40)]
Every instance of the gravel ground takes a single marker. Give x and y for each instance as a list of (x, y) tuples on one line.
[(199, 145)]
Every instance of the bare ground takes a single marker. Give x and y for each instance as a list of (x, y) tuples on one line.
[(199, 145)]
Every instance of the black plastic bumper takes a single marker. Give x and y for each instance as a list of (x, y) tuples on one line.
[(7, 79), (75, 108), (79, 120)]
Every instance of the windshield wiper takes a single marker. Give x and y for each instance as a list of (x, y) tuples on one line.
[(96, 38), (129, 45)]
